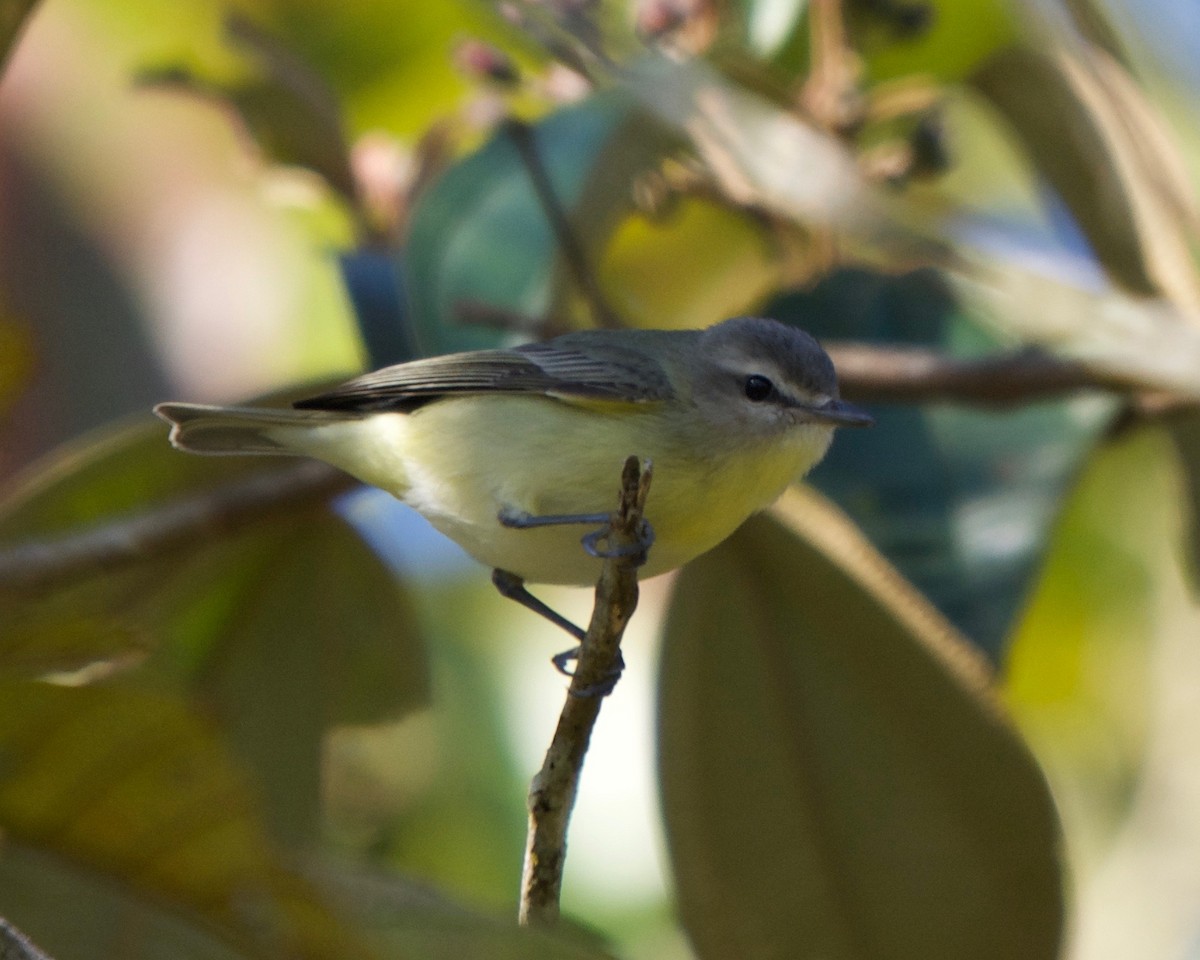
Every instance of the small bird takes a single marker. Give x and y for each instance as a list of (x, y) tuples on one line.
[(507, 451)]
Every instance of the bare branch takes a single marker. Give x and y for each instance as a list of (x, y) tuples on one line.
[(896, 374), (552, 792), (40, 565), (569, 245)]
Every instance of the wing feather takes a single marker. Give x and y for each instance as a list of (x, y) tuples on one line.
[(597, 371)]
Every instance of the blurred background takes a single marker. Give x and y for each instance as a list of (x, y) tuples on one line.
[(212, 201)]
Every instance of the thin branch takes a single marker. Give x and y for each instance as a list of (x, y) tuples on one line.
[(572, 250), (900, 374), (895, 374), (39, 565), (552, 792), (14, 945)]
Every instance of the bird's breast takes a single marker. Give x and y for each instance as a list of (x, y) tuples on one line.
[(468, 459)]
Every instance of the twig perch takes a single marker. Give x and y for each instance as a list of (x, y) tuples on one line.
[(552, 792)]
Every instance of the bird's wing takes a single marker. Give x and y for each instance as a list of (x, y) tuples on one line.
[(602, 372)]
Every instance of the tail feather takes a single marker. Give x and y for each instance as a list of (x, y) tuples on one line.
[(230, 430)]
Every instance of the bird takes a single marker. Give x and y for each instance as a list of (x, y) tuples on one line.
[(508, 451)]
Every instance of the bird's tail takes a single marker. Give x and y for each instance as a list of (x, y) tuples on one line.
[(227, 430)]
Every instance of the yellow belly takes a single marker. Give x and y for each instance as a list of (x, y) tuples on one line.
[(461, 461)]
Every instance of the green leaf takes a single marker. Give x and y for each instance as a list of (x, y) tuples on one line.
[(408, 920), (287, 110), (1185, 431), (130, 787), (282, 625), (480, 234), (691, 267), (1105, 636), (945, 39), (960, 499), (17, 361), (837, 778), (753, 147)]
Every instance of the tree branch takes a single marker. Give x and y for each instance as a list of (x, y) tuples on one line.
[(897, 374), (569, 245), (552, 792), (39, 565)]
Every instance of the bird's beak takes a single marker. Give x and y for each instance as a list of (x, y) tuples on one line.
[(839, 413)]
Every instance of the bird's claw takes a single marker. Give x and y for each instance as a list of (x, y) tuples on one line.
[(592, 543)]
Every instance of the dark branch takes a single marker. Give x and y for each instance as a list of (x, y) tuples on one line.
[(552, 792), (567, 239), (896, 374), (40, 565)]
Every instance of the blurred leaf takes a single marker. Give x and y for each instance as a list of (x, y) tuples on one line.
[(288, 111), (283, 626), (409, 921), (17, 359), (1103, 679), (390, 63), (1185, 431), (1145, 342), (440, 794), (131, 787), (14, 14), (960, 499), (1092, 133), (81, 914), (755, 149), (35, 644), (946, 39), (480, 235), (837, 778), (1080, 674), (693, 267), (769, 23)]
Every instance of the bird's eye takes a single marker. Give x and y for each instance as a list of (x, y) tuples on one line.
[(758, 388)]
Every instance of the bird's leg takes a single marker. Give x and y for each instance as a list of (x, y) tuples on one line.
[(524, 521), (513, 587), (592, 541), (645, 540)]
